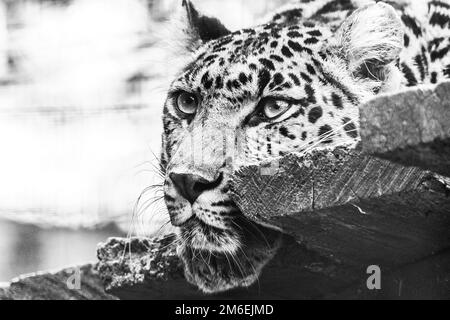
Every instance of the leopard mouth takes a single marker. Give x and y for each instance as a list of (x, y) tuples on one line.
[(199, 235), (196, 221), (222, 264), (220, 248)]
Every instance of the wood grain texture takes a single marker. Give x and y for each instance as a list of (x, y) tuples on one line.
[(411, 128), (389, 231), (433, 156), (320, 180)]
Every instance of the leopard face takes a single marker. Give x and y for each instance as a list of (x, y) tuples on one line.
[(249, 97)]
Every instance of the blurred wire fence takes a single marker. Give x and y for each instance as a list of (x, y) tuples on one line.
[(81, 90), (82, 85)]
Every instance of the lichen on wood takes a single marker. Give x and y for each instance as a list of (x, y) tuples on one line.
[(129, 262)]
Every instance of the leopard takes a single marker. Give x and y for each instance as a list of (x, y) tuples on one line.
[(289, 85)]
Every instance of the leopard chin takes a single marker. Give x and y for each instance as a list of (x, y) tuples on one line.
[(215, 268)]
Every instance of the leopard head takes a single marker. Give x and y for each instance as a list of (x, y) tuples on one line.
[(251, 96)]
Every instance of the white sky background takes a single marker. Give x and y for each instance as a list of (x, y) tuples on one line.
[(67, 158)]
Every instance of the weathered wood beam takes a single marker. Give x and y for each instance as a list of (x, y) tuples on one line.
[(351, 209), (296, 272), (428, 278), (150, 269), (320, 180), (411, 128), (388, 231), (143, 268), (59, 285)]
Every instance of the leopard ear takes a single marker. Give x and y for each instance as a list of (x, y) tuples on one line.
[(198, 28), (370, 41)]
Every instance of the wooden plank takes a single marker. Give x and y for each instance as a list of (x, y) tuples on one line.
[(54, 286), (320, 180), (428, 278), (433, 156), (391, 230), (390, 215), (327, 259), (150, 269), (350, 206), (296, 272), (411, 128)]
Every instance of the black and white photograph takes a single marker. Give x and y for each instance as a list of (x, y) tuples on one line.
[(224, 155)]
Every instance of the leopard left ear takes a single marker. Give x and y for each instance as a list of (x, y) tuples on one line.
[(199, 28), (369, 41)]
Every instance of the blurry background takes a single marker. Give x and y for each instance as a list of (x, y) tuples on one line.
[(82, 84)]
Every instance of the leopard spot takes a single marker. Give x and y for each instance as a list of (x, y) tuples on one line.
[(314, 114), (286, 52), (325, 134)]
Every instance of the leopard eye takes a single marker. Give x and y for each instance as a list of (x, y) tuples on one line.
[(187, 103), (272, 108)]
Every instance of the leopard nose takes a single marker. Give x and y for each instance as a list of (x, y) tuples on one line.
[(191, 186)]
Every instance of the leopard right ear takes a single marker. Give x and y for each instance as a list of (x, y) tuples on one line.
[(198, 28), (369, 41)]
